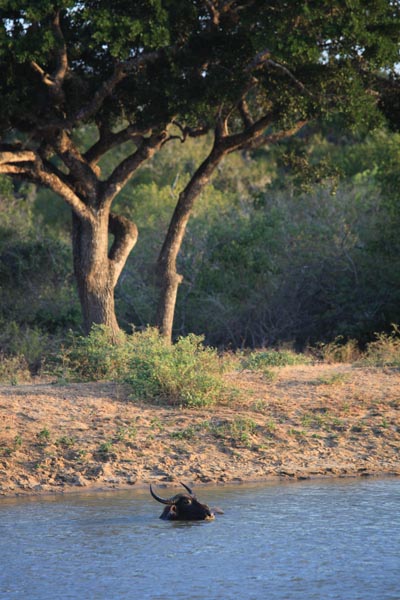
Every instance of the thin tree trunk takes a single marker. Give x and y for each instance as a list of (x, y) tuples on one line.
[(168, 277)]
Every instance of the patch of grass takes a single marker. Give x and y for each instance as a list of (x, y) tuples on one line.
[(308, 420), (93, 358), (17, 441), (13, 369), (43, 435), (271, 425), (156, 423), (8, 451), (238, 431), (384, 351), (263, 360), (260, 406), (24, 346), (66, 441), (332, 379), (184, 434), (185, 373), (323, 421), (81, 455), (242, 428), (338, 351), (106, 447), (128, 432), (296, 432)]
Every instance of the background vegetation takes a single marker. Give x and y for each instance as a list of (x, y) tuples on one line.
[(297, 244)]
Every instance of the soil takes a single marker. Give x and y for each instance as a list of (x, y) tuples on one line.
[(309, 421)]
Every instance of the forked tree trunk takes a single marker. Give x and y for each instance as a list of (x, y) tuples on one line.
[(97, 268)]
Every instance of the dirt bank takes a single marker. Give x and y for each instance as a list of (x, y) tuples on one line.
[(310, 421)]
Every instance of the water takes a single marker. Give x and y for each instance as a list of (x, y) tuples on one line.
[(310, 540)]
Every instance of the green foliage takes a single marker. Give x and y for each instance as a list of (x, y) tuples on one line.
[(92, 358), (26, 344), (35, 267), (198, 61), (283, 267), (66, 441), (261, 264), (205, 60), (184, 374), (264, 359)]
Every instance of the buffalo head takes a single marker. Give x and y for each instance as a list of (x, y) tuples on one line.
[(183, 507)]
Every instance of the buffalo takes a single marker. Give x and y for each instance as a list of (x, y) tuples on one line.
[(184, 507)]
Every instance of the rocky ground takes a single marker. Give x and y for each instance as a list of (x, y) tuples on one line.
[(309, 421)]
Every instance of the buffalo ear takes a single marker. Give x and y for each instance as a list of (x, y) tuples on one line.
[(172, 513)]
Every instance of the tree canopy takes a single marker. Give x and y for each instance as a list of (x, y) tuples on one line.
[(148, 72)]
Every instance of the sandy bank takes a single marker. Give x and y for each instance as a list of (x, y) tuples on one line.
[(310, 421)]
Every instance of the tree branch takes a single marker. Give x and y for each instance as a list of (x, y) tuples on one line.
[(46, 78), (218, 9), (245, 114), (186, 131), (79, 168), (124, 171), (273, 138), (54, 82), (239, 140), (8, 155), (29, 165), (62, 55), (125, 236), (109, 140)]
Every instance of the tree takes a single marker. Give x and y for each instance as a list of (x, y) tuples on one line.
[(142, 74)]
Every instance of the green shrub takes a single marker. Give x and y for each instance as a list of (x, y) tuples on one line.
[(185, 373), (263, 360), (94, 357)]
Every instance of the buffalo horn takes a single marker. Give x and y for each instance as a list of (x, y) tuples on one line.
[(159, 499), (187, 488)]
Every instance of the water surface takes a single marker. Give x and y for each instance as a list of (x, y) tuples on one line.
[(310, 540)]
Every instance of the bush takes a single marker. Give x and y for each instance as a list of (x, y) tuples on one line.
[(338, 351), (264, 359), (24, 343), (92, 358), (384, 351), (13, 369), (185, 374)]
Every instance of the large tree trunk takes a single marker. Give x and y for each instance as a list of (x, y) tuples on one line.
[(97, 268)]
